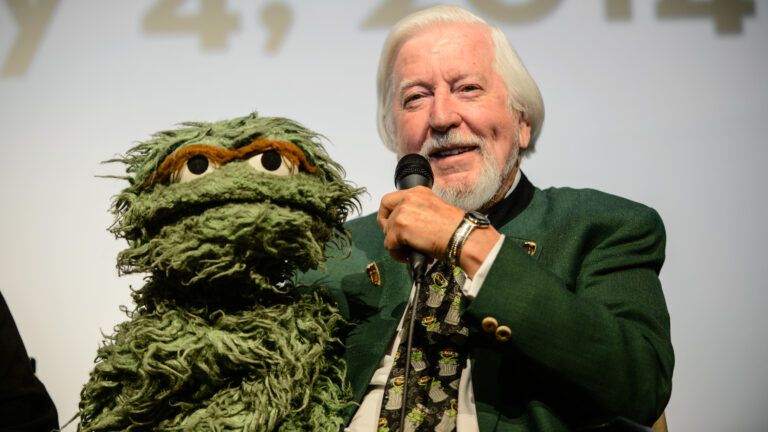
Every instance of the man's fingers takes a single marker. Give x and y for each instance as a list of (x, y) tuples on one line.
[(388, 204), (416, 219)]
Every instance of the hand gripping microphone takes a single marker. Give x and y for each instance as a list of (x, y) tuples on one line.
[(414, 170)]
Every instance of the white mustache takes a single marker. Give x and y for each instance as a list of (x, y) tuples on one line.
[(449, 140)]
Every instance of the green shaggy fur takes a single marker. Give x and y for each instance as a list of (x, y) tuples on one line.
[(220, 338)]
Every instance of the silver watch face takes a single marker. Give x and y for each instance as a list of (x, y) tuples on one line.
[(477, 218)]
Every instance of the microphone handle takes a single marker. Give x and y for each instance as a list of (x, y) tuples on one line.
[(418, 265)]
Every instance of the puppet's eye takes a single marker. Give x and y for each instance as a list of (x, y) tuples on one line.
[(193, 168), (272, 162)]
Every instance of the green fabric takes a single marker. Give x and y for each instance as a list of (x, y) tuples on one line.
[(590, 329), (221, 338)]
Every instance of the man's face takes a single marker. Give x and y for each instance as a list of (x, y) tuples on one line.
[(450, 103)]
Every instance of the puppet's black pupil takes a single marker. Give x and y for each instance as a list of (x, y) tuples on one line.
[(271, 160), (197, 164)]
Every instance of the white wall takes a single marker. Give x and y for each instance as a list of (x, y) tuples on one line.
[(668, 111)]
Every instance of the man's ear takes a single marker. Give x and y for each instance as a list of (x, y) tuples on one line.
[(523, 133)]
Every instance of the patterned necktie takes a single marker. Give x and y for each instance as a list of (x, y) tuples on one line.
[(437, 358)]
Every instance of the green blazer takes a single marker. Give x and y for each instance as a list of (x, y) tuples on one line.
[(576, 282)]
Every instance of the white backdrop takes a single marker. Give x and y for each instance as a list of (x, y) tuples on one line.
[(662, 101)]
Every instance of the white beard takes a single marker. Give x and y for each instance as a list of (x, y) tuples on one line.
[(474, 195)]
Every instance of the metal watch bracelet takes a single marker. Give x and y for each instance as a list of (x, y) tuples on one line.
[(470, 221)]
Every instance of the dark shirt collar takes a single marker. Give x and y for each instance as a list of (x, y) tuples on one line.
[(513, 204)]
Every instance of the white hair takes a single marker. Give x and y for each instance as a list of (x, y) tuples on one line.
[(523, 93)]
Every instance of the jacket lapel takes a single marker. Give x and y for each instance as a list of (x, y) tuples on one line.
[(374, 327)]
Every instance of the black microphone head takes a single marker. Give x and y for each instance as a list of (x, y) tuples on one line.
[(413, 170)]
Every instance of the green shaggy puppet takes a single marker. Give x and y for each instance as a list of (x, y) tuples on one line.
[(221, 215)]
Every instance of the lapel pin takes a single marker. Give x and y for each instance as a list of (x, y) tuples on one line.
[(530, 247), (373, 273)]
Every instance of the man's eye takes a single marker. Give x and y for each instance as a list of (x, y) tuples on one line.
[(412, 98), (193, 168), (272, 162)]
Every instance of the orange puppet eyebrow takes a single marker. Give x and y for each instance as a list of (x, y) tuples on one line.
[(220, 156)]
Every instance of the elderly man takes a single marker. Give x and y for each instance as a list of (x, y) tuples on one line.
[(546, 314)]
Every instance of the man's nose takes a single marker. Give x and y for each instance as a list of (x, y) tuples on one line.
[(444, 114)]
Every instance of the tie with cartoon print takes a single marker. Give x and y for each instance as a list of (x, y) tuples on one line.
[(438, 356)]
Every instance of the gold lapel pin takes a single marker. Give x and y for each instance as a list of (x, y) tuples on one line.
[(530, 247), (373, 273)]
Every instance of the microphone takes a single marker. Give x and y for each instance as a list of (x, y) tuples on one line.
[(413, 170)]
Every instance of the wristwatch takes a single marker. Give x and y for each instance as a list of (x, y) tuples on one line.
[(472, 220)]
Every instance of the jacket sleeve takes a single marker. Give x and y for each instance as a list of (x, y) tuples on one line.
[(24, 402), (604, 332)]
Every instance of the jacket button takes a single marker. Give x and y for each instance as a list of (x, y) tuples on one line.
[(489, 324), (503, 333)]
